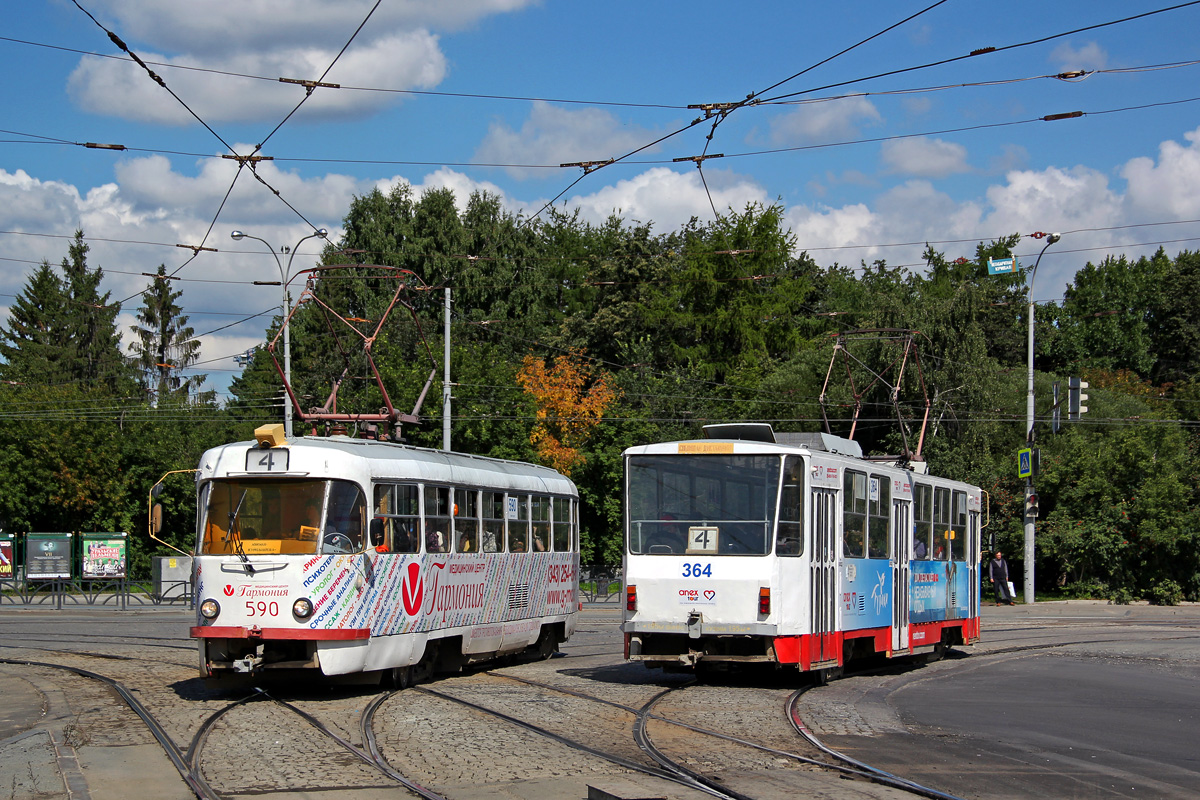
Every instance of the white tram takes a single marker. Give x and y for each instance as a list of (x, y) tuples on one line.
[(349, 555), (791, 549)]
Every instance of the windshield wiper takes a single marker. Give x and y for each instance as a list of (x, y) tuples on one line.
[(235, 533)]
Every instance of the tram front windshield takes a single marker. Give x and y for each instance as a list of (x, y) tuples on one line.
[(702, 504), (263, 517)]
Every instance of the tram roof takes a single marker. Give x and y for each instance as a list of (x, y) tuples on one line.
[(426, 463)]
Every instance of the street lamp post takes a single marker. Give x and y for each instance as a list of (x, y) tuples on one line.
[(1051, 238), (287, 339)]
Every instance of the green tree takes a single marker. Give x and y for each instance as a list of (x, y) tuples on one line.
[(165, 344)]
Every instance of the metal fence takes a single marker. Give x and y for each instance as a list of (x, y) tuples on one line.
[(116, 593), (597, 584)]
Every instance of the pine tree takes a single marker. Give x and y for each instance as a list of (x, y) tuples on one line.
[(165, 343), (31, 346), (93, 345)]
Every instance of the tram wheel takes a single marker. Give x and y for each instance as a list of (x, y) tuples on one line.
[(546, 644), (401, 677), (423, 669), (939, 651)]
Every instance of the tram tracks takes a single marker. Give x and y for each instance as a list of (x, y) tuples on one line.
[(216, 783)]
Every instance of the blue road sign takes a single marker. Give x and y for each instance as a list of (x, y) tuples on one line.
[(1002, 266), (1025, 463)]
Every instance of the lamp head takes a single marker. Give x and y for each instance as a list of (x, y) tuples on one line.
[(237, 236), (1052, 238), (322, 232)]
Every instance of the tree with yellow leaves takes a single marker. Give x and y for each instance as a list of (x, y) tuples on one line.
[(571, 400)]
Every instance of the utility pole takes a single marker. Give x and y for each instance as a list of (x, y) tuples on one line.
[(446, 377), (1030, 494)]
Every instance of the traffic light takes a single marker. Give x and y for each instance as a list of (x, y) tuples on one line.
[(1031, 505), (1076, 398)]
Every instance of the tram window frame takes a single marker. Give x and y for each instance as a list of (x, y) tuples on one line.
[(560, 536), (879, 514), (466, 520), (923, 520), (493, 534), (349, 521), (789, 536), (854, 514), (539, 516), (518, 529), (941, 524), (958, 526), (437, 525), (399, 506)]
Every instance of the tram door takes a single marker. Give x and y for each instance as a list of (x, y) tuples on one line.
[(973, 563), (902, 533), (824, 575)]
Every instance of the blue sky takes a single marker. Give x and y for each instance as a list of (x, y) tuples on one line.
[(435, 94)]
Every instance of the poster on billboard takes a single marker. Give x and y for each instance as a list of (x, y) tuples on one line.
[(6, 558), (47, 556), (103, 555)]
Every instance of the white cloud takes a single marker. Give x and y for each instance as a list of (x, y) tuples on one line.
[(1170, 189), (825, 121), (1088, 56), (668, 198), (217, 25), (924, 157), (297, 39), (405, 60), (553, 135)]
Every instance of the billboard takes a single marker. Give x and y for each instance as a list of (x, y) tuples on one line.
[(6, 558), (47, 556), (103, 555)]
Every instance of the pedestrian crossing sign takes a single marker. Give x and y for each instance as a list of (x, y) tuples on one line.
[(1025, 462)]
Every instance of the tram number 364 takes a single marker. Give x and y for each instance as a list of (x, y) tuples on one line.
[(697, 570), (262, 609)]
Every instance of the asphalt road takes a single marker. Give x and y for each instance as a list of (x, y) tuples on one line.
[(1060, 701)]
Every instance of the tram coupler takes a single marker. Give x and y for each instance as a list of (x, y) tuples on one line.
[(694, 620), (250, 664)]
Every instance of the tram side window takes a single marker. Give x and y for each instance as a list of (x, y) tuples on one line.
[(941, 524), (518, 529), (879, 509), (854, 514), (789, 539), (466, 520), (562, 525), (958, 526), (437, 519), (540, 511), (398, 506), (345, 519), (922, 522), (493, 522)]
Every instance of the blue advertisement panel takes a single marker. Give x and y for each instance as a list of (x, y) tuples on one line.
[(927, 591), (866, 595)]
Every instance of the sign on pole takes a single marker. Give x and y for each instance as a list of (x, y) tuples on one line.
[(1025, 462), (6, 557), (103, 555), (47, 556), (1002, 266)]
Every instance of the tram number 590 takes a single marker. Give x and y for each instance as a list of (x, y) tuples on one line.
[(262, 609), (697, 570)]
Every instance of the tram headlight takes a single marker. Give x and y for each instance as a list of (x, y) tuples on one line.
[(302, 608), (210, 609)]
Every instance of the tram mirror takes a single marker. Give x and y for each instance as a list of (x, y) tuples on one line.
[(156, 519), (376, 530), (156, 490)]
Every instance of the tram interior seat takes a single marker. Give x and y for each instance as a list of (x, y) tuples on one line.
[(661, 548)]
